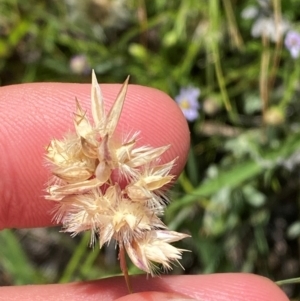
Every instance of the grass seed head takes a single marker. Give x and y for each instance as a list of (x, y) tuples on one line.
[(88, 198)]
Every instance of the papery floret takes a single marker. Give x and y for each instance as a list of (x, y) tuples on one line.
[(154, 177), (58, 192), (98, 110), (155, 247), (145, 154), (114, 114), (82, 125)]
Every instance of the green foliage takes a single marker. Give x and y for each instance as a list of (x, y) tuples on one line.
[(238, 195), (14, 260)]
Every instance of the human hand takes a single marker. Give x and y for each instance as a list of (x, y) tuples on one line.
[(31, 115)]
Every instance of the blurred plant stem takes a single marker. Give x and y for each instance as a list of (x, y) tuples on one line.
[(291, 84), (76, 258), (236, 38), (263, 75), (278, 45), (213, 47)]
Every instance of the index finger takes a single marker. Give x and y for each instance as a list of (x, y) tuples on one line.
[(33, 114)]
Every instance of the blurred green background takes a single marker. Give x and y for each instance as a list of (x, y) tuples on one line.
[(239, 194)]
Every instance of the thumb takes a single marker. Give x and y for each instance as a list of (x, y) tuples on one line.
[(154, 296)]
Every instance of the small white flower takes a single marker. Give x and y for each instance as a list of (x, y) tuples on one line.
[(265, 26), (264, 23)]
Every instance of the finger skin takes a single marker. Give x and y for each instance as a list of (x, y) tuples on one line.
[(33, 114), (217, 287)]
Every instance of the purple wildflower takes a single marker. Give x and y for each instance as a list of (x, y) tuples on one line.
[(292, 43), (187, 100)]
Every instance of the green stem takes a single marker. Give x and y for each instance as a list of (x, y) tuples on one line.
[(75, 259), (288, 281), (214, 15), (292, 81)]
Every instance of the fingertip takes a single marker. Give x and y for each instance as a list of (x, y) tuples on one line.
[(217, 287), (229, 287), (33, 114), (151, 296)]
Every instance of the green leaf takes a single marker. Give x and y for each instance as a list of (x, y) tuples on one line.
[(14, 260), (237, 175)]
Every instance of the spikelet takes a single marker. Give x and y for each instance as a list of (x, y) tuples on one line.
[(88, 198)]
